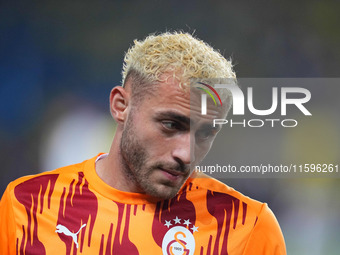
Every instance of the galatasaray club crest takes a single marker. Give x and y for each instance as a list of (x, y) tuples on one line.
[(179, 240)]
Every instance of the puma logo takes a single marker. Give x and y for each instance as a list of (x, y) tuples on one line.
[(62, 229)]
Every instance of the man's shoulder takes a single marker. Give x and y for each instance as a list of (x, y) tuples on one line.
[(46, 178), (216, 188)]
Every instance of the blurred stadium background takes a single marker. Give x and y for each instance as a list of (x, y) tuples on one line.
[(60, 59)]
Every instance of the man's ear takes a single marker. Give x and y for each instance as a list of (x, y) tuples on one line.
[(119, 101)]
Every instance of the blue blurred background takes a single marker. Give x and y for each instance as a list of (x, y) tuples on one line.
[(60, 59)]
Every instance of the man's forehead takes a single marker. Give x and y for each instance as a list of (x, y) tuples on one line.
[(173, 91)]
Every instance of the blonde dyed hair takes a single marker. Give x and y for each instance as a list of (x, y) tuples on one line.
[(179, 54)]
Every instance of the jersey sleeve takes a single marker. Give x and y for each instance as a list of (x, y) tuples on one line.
[(7, 226), (266, 237)]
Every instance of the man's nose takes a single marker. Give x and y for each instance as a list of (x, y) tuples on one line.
[(183, 149)]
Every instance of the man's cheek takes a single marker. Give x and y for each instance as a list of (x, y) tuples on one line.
[(200, 154)]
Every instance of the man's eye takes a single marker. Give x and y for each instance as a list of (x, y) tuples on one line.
[(170, 125), (205, 134)]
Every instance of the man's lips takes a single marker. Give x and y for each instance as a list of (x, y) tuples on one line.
[(172, 174)]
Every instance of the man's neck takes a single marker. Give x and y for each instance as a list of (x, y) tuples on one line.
[(110, 169)]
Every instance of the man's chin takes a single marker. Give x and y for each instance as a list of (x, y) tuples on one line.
[(163, 192), (162, 187)]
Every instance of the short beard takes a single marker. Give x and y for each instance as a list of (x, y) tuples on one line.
[(132, 152), (134, 161)]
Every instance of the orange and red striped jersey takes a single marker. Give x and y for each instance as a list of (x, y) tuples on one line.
[(72, 211)]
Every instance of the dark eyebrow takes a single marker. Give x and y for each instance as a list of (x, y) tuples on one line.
[(173, 116)]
